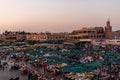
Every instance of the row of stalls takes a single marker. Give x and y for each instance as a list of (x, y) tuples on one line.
[(62, 63)]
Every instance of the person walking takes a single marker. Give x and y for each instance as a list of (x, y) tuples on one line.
[(30, 76), (3, 68)]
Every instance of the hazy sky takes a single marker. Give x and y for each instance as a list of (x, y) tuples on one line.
[(57, 15)]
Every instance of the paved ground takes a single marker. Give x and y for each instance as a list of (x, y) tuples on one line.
[(6, 75)]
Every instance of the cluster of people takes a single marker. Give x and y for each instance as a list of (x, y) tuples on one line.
[(43, 63)]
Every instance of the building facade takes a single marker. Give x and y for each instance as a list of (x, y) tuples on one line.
[(47, 37), (108, 30), (83, 33), (116, 34), (15, 35), (93, 32), (2, 37), (57, 36), (37, 37), (88, 33)]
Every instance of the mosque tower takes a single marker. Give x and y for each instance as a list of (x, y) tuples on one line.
[(108, 30)]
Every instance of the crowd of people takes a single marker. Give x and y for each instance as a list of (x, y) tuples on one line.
[(42, 63)]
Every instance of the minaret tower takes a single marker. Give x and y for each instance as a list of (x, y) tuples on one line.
[(108, 30)]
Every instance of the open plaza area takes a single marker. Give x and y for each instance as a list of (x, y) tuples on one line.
[(59, 39), (7, 75), (90, 62)]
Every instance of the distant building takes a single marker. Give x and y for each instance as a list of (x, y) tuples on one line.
[(93, 32), (42, 37), (15, 35), (84, 33), (47, 37), (88, 33), (116, 34), (108, 30), (57, 36), (2, 37)]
